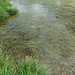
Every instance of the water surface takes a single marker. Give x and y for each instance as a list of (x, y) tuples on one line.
[(41, 30)]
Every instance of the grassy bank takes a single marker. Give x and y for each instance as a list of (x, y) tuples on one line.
[(6, 9), (25, 67)]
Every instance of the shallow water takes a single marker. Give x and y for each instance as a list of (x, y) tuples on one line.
[(40, 29)]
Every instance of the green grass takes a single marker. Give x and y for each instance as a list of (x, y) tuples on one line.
[(23, 68), (12, 11), (3, 13), (6, 9), (1, 59)]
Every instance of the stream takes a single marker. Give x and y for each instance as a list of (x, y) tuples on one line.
[(41, 29)]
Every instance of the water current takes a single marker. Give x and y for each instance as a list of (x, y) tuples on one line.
[(42, 28)]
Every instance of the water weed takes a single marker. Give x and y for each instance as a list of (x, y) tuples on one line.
[(27, 66)]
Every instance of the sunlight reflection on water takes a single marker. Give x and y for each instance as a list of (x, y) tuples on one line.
[(21, 7)]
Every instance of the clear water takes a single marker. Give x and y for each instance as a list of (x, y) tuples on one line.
[(40, 29)]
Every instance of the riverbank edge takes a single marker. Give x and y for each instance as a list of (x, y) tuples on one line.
[(6, 10)]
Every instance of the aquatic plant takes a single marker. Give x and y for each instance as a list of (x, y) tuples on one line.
[(27, 66)]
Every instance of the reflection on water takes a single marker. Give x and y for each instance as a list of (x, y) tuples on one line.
[(39, 31), (36, 10), (19, 6)]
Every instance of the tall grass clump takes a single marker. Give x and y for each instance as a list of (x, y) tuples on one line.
[(6, 9), (11, 11), (24, 68), (3, 13), (1, 61)]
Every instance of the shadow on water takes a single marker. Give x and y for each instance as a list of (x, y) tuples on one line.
[(38, 32)]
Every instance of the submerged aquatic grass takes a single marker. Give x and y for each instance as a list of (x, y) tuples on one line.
[(6, 9), (57, 43), (27, 66)]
